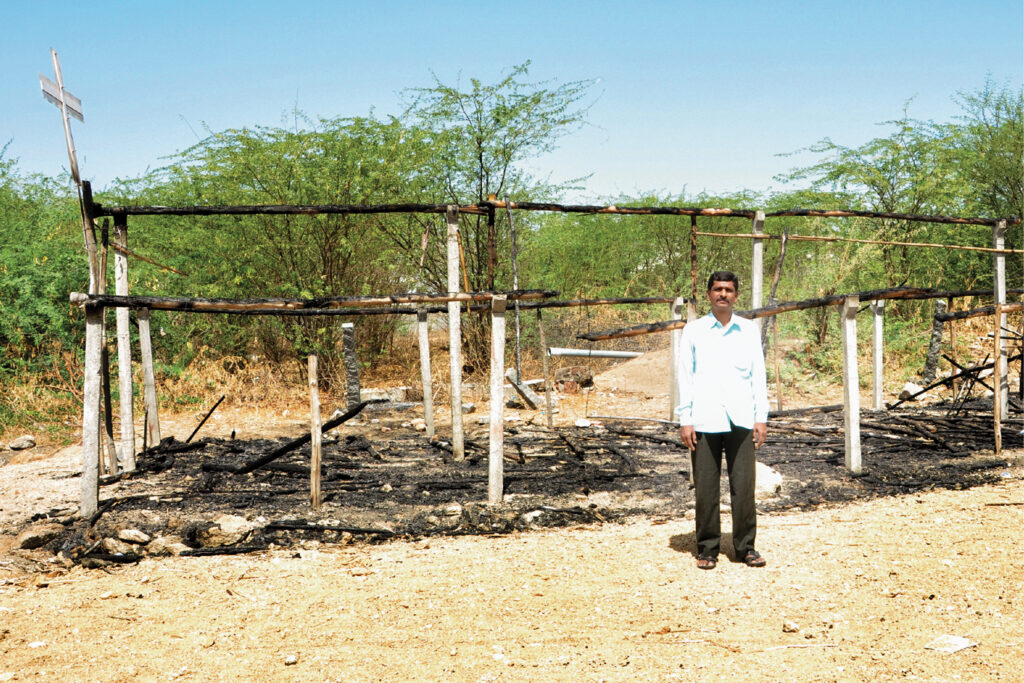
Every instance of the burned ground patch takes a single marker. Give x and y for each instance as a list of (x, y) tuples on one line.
[(382, 480)]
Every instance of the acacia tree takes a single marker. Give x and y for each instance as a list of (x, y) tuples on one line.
[(481, 136), (969, 167), (330, 161)]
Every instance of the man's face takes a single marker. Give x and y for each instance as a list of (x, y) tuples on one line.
[(722, 296)]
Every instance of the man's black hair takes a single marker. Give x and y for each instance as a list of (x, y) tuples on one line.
[(723, 276)]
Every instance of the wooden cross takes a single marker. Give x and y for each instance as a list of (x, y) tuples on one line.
[(69, 106)]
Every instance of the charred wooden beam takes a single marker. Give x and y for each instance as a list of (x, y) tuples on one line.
[(484, 208), (285, 448), (642, 435), (979, 312), (205, 418), (946, 380), (303, 525), (842, 213), (285, 306), (575, 448), (279, 210), (784, 307), (628, 466)]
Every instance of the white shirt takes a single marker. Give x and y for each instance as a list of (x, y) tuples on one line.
[(721, 375)]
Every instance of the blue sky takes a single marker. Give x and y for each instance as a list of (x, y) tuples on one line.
[(694, 95)]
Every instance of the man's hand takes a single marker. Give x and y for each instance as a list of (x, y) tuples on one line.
[(689, 436), (760, 433)]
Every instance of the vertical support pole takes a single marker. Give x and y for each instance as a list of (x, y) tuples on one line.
[(693, 258), (1002, 377), (955, 384), (757, 266), (455, 334), (999, 393), (91, 412), (496, 441), (348, 334), (775, 363), (676, 312), (549, 386), (110, 463), (148, 380), (515, 286), (314, 432), (423, 331), (851, 383), (124, 346), (878, 360)]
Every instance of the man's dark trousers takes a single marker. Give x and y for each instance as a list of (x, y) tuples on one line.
[(738, 447)]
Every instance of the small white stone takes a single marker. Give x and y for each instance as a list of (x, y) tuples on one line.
[(133, 536)]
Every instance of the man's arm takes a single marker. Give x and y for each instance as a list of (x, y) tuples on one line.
[(684, 369), (689, 436), (760, 433)]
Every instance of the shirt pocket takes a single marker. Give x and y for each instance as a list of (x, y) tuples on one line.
[(742, 365)]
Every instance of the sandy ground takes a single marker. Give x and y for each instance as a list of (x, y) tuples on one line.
[(850, 593), (855, 593)]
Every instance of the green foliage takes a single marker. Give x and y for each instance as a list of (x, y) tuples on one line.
[(481, 136), (359, 161), (969, 167), (639, 255), (464, 144), (40, 264)]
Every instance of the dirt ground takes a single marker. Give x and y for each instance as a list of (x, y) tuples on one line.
[(854, 590)]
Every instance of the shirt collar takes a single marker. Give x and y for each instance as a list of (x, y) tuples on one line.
[(733, 322)]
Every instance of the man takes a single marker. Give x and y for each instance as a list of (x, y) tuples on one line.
[(723, 409)]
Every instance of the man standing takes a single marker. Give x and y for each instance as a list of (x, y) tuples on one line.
[(723, 409)]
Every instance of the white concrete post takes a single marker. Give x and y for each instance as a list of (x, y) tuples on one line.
[(455, 334), (878, 314), (999, 242), (124, 350), (757, 266), (496, 450), (91, 412), (149, 379), (677, 314), (423, 330), (851, 383)]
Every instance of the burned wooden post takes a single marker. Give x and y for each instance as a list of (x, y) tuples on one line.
[(693, 258), (124, 345), (455, 334), (998, 393), (496, 449), (999, 286), (348, 334), (148, 379), (931, 361), (545, 361), (423, 332), (676, 313), (757, 265), (314, 431), (878, 318), (851, 383), (111, 462)]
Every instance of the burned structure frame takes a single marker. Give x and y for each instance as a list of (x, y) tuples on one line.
[(97, 301)]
